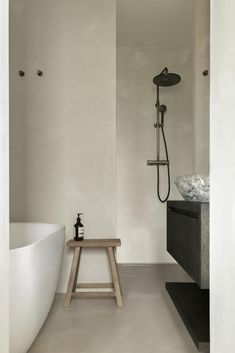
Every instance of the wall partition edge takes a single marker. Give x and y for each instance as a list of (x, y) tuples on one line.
[(222, 146), (4, 178)]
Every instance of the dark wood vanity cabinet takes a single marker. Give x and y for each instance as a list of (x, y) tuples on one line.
[(188, 238), (188, 243)]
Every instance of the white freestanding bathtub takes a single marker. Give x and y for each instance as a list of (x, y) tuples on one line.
[(35, 259)]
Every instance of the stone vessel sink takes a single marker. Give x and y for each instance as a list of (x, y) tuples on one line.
[(194, 187)]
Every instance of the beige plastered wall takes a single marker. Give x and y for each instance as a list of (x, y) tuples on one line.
[(141, 217), (222, 144), (67, 155), (63, 124), (4, 179), (201, 103)]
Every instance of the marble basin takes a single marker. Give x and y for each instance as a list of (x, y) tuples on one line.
[(194, 187)]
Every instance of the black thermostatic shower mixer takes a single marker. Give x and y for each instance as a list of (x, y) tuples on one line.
[(156, 162), (164, 79)]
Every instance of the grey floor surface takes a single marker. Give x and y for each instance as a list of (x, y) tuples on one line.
[(148, 323)]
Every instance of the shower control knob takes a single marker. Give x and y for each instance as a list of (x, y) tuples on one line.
[(162, 108)]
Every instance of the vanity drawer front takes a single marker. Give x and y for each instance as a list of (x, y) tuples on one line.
[(183, 240)]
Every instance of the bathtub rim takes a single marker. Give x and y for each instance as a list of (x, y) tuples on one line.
[(58, 228)]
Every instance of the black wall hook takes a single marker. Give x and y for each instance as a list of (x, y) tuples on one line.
[(21, 73), (205, 73), (40, 73)]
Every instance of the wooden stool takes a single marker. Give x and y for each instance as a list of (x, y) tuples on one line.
[(110, 245)]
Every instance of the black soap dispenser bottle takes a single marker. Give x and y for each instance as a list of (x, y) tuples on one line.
[(78, 229)]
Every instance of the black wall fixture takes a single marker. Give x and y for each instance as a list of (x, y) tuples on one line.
[(22, 73)]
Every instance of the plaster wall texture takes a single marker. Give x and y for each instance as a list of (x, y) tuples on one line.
[(150, 36), (201, 90), (141, 217), (222, 206), (4, 178), (63, 124), (162, 24), (66, 154)]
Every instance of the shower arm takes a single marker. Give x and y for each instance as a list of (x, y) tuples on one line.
[(164, 71)]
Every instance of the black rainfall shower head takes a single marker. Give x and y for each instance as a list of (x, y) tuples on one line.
[(166, 78)]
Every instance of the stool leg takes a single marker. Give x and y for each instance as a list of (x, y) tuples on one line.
[(76, 274), (115, 276), (72, 277), (115, 252)]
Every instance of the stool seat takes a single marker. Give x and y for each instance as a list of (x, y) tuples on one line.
[(94, 243), (77, 246)]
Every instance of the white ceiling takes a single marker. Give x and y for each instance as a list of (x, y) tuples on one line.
[(155, 23)]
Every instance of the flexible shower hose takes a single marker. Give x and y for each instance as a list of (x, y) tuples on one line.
[(168, 171)]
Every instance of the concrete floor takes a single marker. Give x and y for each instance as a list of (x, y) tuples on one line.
[(148, 323)]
